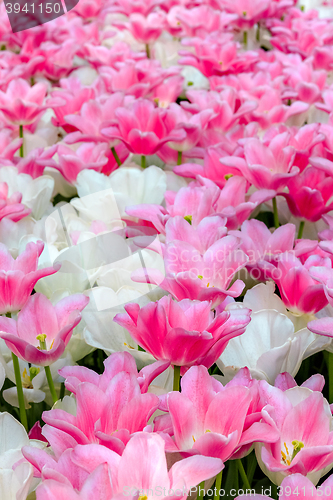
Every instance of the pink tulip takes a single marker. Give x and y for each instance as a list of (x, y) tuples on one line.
[(11, 206), (22, 104), (201, 20), (194, 202), (87, 156), (299, 291), (261, 246), (310, 194), (266, 166), (202, 199), (211, 169), (142, 128), (73, 95), (235, 204), (285, 381), (18, 277), (8, 146), (95, 470), (42, 331), (144, 29), (306, 141), (198, 425), (93, 115), (323, 326), (184, 333), (217, 55), (248, 12), (128, 7), (35, 162), (305, 445), (104, 58), (96, 420)]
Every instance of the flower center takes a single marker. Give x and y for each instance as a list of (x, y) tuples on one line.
[(286, 457), (42, 342), (27, 379)]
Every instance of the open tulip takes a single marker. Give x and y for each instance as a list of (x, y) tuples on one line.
[(42, 331)]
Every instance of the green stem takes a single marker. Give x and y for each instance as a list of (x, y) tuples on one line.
[(252, 465), (21, 137), (329, 363), (51, 384), (62, 390), (143, 161), (148, 50), (41, 337), (19, 388), (180, 158), (176, 377), (116, 157), (258, 33), (218, 482), (243, 474), (245, 38), (276, 215), (301, 229), (201, 490)]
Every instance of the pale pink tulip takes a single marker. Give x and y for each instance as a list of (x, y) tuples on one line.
[(19, 276), (42, 331)]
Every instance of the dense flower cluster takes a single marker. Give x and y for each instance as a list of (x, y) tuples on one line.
[(166, 251)]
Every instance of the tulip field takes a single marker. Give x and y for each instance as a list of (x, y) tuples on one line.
[(166, 249)]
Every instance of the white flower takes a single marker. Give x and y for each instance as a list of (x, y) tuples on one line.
[(269, 345), (36, 193), (14, 484), (106, 197), (34, 382)]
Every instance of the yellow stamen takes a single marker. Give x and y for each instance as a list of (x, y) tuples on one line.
[(286, 447)]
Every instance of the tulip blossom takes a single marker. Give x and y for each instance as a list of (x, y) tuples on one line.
[(11, 206), (97, 421), (142, 128), (22, 104), (324, 325), (304, 421), (299, 291), (310, 194), (70, 163), (16, 474), (145, 29), (19, 276), (267, 166), (261, 246), (199, 427), (42, 331), (93, 116), (216, 56), (271, 344), (184, 333), (204, 273), (95, 469)]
